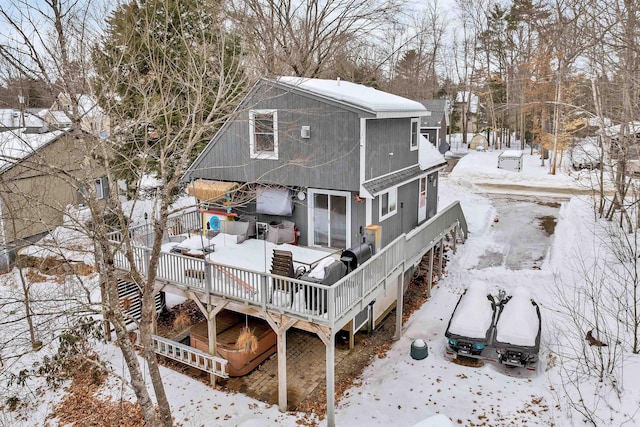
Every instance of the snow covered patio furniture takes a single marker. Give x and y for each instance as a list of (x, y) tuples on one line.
[(517, 332), (471, 324)]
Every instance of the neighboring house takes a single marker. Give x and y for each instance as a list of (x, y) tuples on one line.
[(11, 118), (93, 119), (55, 119), (33, 199), (345, 155), (435, 124)]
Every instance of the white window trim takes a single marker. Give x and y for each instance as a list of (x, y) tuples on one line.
[(411, 146), (394, 192), (310, 205), (98, 184), (252, 144)]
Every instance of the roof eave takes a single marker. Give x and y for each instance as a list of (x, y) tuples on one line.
[(400, 114)]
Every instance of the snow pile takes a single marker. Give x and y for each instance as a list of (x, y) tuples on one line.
[(474, 314), (63, 243), (518, 323), (511, 154)]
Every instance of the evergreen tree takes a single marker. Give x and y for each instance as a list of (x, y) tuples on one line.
[(151, 66)]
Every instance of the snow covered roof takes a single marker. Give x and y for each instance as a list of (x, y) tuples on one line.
[(16, 145), (474, 315), (428, 154), (518, 323), (359, 95), (61, 118), (616, 130), (12, 118)]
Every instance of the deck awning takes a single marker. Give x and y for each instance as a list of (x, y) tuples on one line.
[(210, 191)]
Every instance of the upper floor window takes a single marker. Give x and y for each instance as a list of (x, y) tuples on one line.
[(263, 134), (102, 189), (388, 203), (415, 133)]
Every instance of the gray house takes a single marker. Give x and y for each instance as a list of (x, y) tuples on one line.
[(435, 124), (331, 156), (327, 163)]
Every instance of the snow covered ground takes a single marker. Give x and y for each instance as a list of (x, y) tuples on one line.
[(398, 390)]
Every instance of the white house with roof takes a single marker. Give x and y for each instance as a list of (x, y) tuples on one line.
[(93, 119), (11, 118)]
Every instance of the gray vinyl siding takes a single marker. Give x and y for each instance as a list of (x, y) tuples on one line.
[(432, 135), (358, 219), (328, 159), (406, 217), (385, 136)]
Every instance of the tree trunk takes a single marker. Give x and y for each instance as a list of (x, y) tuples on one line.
[(114, 315)]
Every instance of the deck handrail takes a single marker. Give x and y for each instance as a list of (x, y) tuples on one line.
[(325, 305), (188, 355)]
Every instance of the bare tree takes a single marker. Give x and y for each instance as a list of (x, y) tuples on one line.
[(159, 64), (300, 38)]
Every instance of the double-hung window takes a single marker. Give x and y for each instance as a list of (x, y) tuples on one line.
[(388, 203), (263, 134), (415, 133), (102, 189)]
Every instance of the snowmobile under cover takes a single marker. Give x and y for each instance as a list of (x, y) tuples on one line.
[(517, 332), (471, 325)]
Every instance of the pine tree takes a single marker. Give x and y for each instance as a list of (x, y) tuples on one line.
[(150, 67)]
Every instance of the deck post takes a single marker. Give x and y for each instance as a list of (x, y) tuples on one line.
[(282, 370), (441, 253), (454, 234), (399, 304), (430, 278), (327, 338), (212, 332), (281, 329), (331, 384)]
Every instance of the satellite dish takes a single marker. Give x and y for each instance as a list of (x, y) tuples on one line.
[(214, 223)]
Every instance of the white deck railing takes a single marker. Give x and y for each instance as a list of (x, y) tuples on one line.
[(189, 356), (326, 305)]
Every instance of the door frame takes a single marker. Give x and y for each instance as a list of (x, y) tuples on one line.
[(423, 211), (310, 206)]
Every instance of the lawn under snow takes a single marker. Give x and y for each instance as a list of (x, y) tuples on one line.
[(398, 390)]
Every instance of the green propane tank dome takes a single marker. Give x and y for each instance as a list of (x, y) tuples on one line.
[(419, 349)]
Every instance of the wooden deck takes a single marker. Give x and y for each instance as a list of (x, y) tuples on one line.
[(217, 287)]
